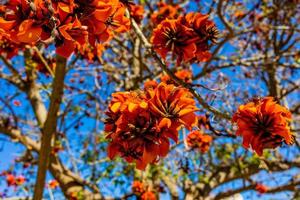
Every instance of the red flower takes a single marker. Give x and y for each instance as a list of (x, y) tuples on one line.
[(53, 184), (10, 179), (136, 12), (197, 140), (150, 84), (263, 123), (148, 196), (16, 103), (135, 135), (172, 36), (173, 105), (74, 35), (205, 30), (107, 16), (139, 131), (185, 75), (20, 180), (165, 11), (138, 187), (261, 188), (29, 32)]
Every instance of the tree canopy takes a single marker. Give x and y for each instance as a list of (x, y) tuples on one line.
[(168, 99)]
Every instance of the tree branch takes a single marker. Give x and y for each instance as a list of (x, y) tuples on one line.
[(50, 126)]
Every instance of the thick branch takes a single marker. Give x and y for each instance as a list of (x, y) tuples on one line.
[(291, 186), (50, 126), (68, 181)]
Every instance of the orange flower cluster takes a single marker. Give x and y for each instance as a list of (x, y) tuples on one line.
[(261, 188), (74, 25), (148, 196), (263, 123), (188, 37), (185, 75), (137, 12), (140, 123), (138, 187), (165, 11), (197, 140), (12, 180)]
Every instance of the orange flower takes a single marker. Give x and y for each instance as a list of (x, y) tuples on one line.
[(139, 125), (138, 187), (6, 25), (134, 135), (263, 124), (29, 32), (107, 16), (10, 179), (64, 9), (150, 84), (20, 180), (165, 11), (74, 35), (205, 30), (261, 188), (137, 12), (185, 75), (173, 105), (92, 53), (149, 195), (197, 140), (172, 36), (53, 184)]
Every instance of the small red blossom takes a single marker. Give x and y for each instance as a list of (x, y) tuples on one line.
[(137, 12), (16, 103), (261, 188), (10, 179), (150, 84), (53, 184), (20, 180), (149, 195), (138, 187), (185, 75), (198, 140), (165, 11)]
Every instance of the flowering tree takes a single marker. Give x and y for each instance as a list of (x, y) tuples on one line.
[(119, 99)]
